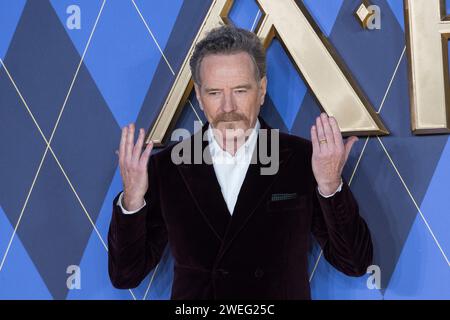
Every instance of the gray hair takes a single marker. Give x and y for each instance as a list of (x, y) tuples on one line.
[(229, 40)]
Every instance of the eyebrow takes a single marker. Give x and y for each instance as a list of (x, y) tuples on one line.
[(241, 86)]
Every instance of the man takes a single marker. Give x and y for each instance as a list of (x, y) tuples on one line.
[(235, 233)]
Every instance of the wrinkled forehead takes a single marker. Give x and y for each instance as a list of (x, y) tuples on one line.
[(233, 67)]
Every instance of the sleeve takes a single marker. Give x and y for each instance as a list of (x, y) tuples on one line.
[(341, 232), (136, 241), (119, 203), (339, 188)]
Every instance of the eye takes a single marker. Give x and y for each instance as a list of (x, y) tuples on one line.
[(213, 93), (241, 91)]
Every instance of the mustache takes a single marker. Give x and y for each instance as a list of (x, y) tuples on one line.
[(229, 116)]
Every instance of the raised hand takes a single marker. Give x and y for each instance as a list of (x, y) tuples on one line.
[(329, 153), (133, 167)]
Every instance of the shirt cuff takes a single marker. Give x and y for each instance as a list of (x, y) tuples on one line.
[(119, 203), (329, 196)]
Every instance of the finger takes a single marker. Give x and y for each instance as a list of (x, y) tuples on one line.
[(123, 140), (349, 144), (137, 150), (321, 134), (130, 143), (314, 139), (336, 132), (328, 131), (146, 154)]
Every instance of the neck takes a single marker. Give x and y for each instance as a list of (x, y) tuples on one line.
[(232, 145)]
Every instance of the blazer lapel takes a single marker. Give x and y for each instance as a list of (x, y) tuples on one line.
[(204, 188), (253, 191), (202, 183)]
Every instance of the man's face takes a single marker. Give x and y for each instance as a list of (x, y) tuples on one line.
[(229, 93)]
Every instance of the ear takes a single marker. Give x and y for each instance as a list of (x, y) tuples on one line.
[(263, 88), (198, 95)]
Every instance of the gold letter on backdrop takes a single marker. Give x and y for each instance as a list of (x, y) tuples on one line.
[(312, 54), (428, 31)]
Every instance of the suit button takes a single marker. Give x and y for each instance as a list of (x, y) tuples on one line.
[(259, 273)]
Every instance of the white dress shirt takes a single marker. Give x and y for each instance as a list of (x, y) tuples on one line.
[(230, 170)]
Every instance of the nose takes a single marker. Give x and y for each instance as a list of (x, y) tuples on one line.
[(228, 103)]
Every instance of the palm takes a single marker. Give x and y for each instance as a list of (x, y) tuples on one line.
[(329, 152), (133, 165)]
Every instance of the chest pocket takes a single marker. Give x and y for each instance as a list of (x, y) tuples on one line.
[(286, 202)]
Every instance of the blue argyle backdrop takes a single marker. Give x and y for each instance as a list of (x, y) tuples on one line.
[(65, 94)]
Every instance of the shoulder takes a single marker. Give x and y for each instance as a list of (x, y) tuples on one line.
[(297, 144), (163, 156)]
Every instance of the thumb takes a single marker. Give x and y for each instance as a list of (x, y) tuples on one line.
[(146, 154), (349, 144)]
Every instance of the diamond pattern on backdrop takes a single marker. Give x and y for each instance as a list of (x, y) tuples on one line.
[(89, 10), (245, 14), (42, 61), (415, 157), (122, 58), (19, 278), (10, 12), (397, 9), (122, 47), (54, 211), (370, 56), (25, 149), (421, 273), (95, 281), (283, 77), (185, 28), (89, 128), (397, 122), (52, 66), (324, 12), (98, 284), (435, 200)]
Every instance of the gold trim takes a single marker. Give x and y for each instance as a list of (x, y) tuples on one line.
[(315, 58), (427, 34)]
